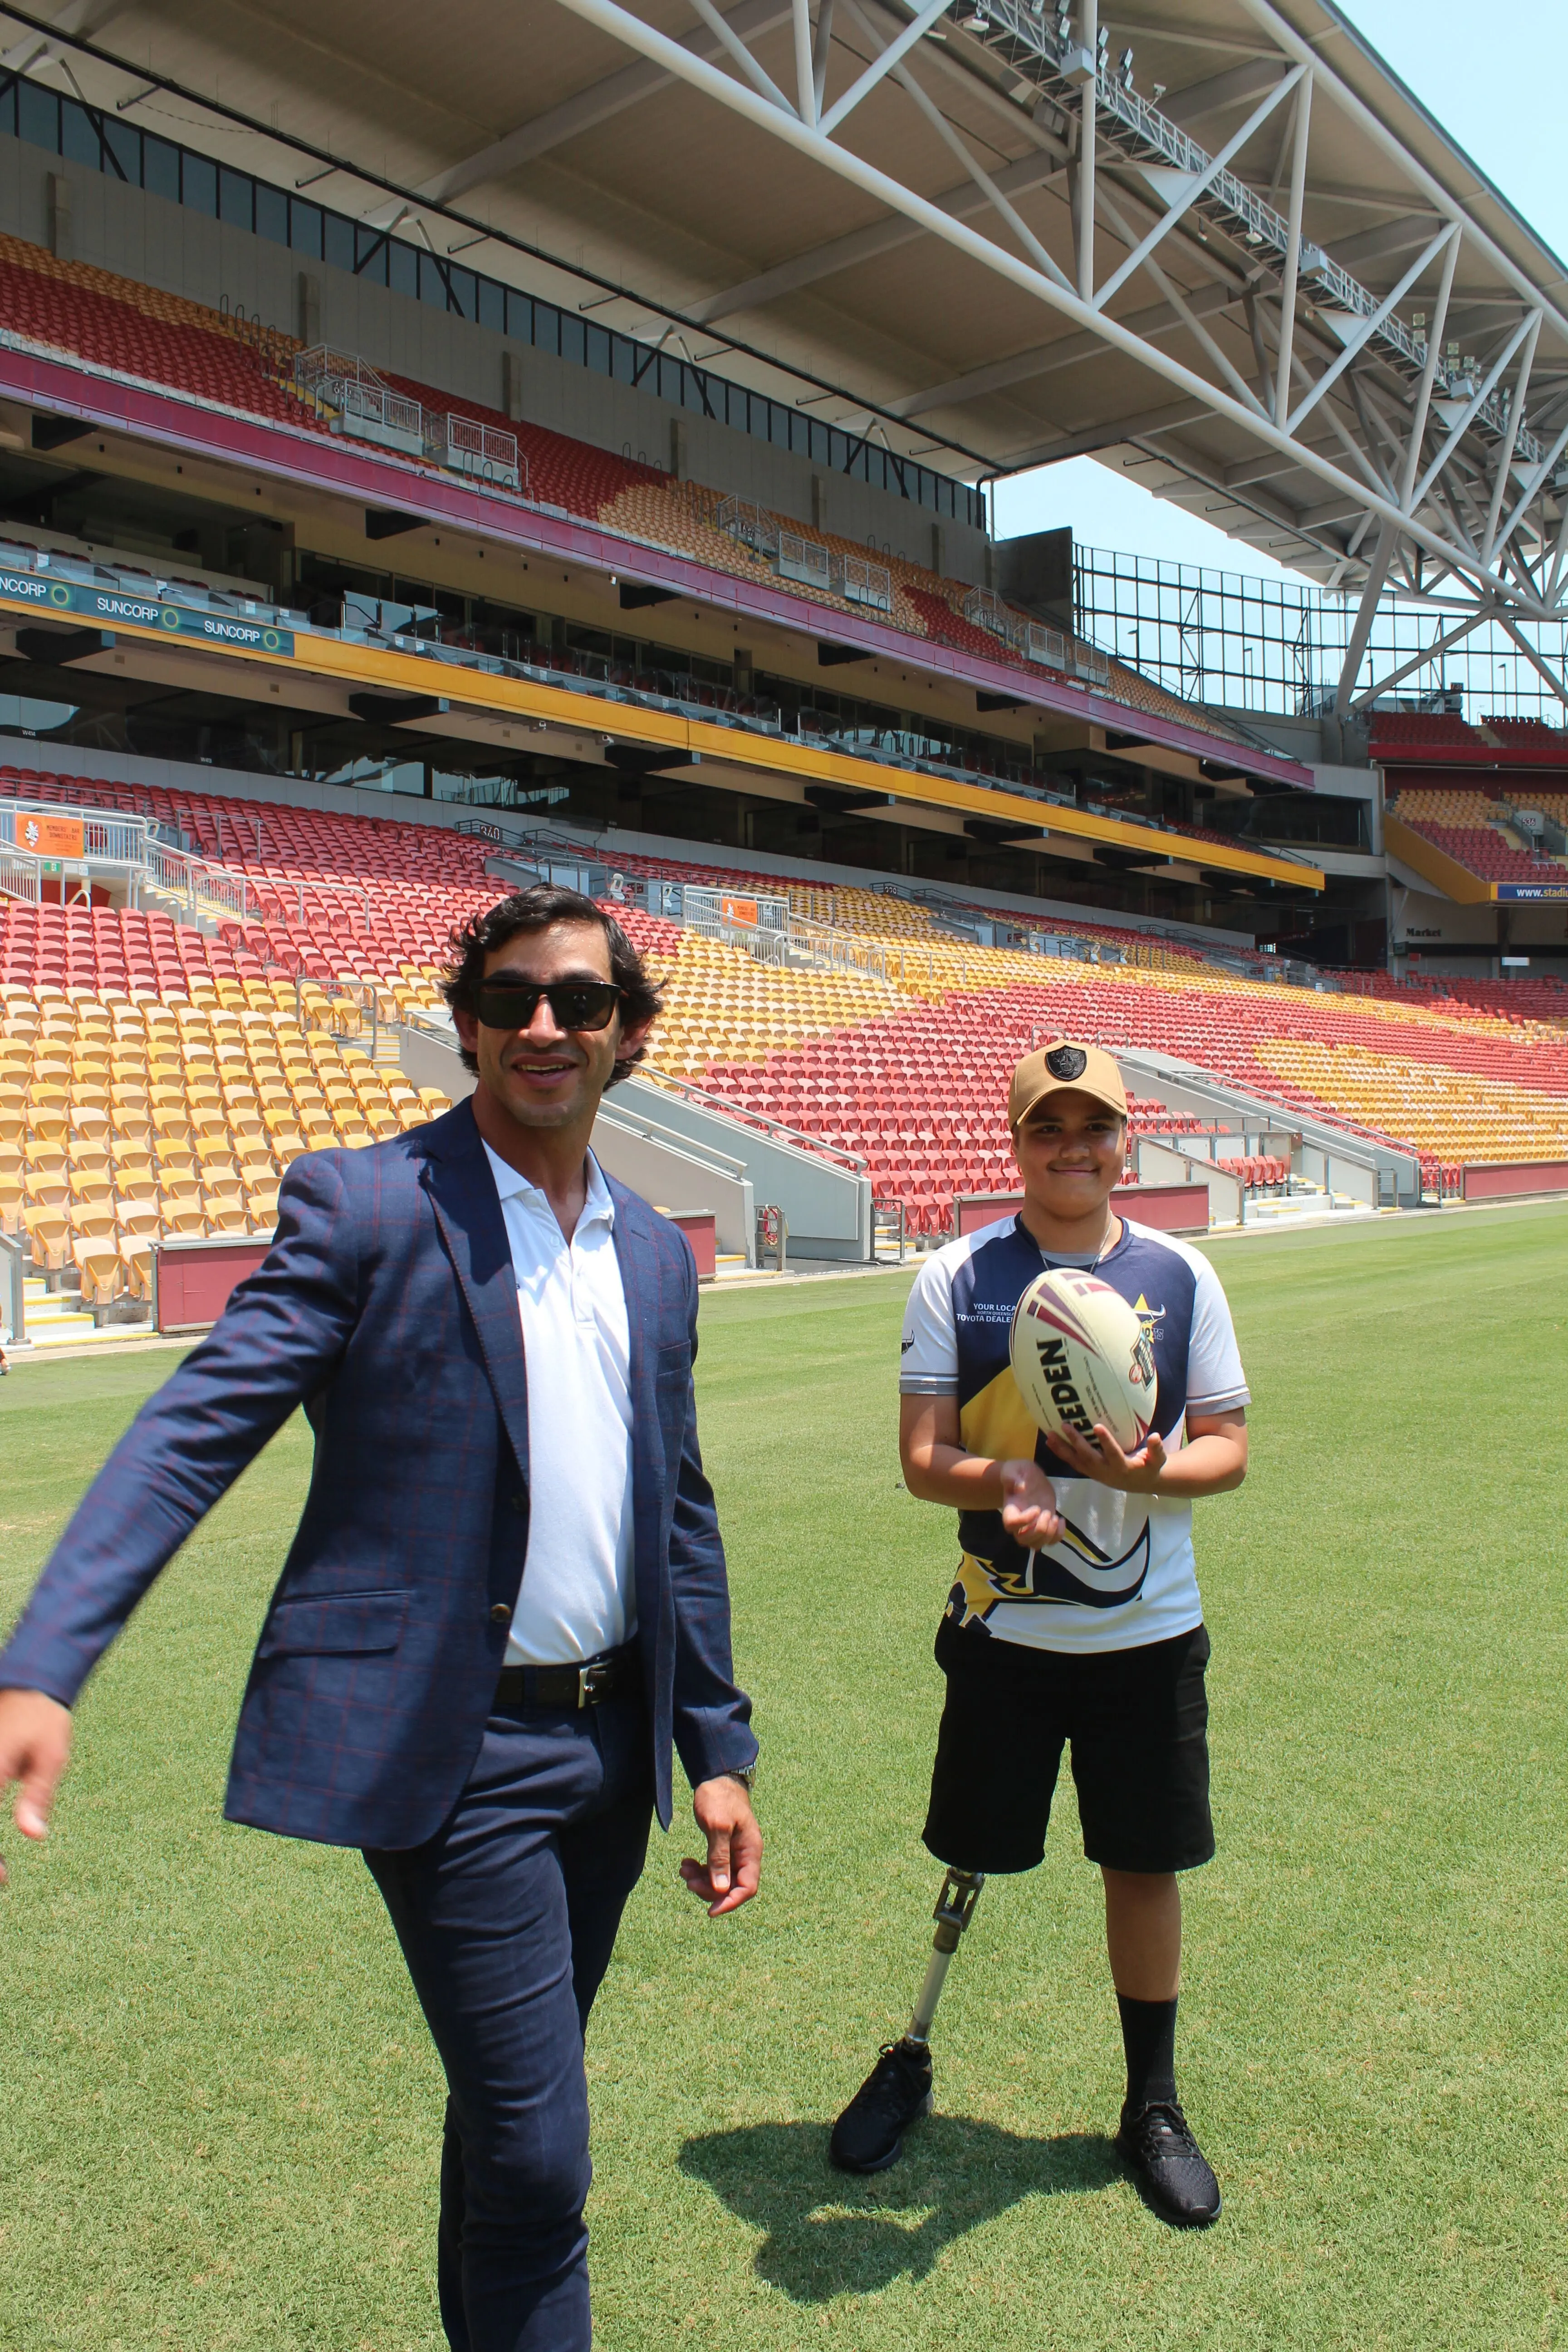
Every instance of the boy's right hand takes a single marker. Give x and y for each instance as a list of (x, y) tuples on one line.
[(35, 1747), (1030, 1513)]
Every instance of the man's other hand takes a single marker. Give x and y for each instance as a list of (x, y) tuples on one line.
[(1029, 1512), (729, 1877), (34, 1746)]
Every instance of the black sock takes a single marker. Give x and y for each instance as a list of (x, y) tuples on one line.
[(1149, 2036)]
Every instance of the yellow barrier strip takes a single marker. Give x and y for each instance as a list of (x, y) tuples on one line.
[(557, 706), (509, 697), (1434, 866)]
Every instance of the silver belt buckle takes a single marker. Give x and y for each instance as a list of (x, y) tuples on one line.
[(585, 1685)]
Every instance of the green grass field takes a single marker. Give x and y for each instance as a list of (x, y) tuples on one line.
[(218, 2110)]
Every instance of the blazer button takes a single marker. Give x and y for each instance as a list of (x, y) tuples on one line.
[(519, 1502), (500, 1614)]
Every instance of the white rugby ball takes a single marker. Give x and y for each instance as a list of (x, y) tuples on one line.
[(1080, 1355)]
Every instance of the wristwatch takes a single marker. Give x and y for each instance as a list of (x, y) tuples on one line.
[(746, 1773)]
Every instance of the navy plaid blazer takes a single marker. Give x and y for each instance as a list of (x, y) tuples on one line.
[(387, 1307)]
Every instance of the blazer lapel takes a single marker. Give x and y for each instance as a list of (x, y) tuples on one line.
[(468, 1212), (639, 1268)]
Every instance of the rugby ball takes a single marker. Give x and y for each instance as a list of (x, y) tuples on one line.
[(1080, 1355)]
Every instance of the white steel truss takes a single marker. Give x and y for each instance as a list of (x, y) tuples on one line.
[(1411, 460)]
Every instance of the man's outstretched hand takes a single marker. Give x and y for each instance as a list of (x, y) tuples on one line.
[(35, 1747), (729, 1877)]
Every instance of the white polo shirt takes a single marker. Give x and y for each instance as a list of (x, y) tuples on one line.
[(577, 1595)]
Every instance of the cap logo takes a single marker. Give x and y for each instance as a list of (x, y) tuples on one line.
[(1067, 1062)]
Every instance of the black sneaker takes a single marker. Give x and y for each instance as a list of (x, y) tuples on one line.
[(869, 2133), (1169, 2167)]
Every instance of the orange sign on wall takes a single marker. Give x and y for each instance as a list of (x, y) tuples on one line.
[(738, 911), (52, 836)]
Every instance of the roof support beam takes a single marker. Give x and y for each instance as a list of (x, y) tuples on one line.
[(1505, 453), (1298, 131), (1190, 194), (1356, 652), (1427, 655), (856, 172), (980, 178)]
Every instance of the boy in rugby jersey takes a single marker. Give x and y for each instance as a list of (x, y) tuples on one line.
[(1074, 1619)]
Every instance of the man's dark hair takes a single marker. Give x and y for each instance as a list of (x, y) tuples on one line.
[(536, 910)]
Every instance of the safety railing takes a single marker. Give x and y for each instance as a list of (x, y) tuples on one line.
[(342, 381), (984, 609), (21, 877), (751, 525), (803, 560), (744, 1116), (108, 837), (861, 581), (464, 446), (202, 889)]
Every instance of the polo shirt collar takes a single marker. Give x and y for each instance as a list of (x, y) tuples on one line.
[(513, 1185)]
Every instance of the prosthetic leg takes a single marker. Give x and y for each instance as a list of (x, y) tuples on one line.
[(869, 2133), (954, 1908)]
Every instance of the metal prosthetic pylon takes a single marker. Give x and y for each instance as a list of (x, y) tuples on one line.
[(954, 1907)]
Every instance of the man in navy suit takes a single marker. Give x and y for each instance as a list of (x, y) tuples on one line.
[(506, 1598)]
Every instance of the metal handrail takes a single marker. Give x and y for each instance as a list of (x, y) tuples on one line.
[(742, 1113), (21, 876), (12, 1263), (112, 836)]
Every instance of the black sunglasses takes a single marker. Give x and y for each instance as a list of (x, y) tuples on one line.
[(576, 1003)]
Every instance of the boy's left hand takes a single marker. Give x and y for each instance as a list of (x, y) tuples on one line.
[(1132, 1474)]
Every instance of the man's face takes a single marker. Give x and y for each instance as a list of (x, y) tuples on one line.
[(1070, 1152), (545, 1076)]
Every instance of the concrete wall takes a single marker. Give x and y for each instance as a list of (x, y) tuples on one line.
[(170, 246), (1159, 1164), (828, 1208), (635, 1145), (660, 1165)]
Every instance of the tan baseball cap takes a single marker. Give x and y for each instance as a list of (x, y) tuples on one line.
[(1087, 1069)]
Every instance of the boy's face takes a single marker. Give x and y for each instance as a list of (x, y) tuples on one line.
[(1069, 1151)]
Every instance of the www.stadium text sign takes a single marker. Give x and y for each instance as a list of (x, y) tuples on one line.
[(113, 607)]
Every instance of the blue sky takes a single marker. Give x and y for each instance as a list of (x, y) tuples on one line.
[(1494, 78)]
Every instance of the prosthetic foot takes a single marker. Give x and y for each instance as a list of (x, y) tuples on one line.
[(869, 2133)]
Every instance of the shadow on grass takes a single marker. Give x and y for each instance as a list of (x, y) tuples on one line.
[(831, 2234)]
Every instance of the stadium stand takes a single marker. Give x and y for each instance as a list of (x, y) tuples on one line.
[(133, 332), (157, 1079), (1472, 826), (125, 1118)]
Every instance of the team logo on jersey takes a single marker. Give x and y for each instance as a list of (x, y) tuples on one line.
[(1149, 1318), (1067, 1062)]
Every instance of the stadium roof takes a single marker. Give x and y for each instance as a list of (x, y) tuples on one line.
[(1300, 307)]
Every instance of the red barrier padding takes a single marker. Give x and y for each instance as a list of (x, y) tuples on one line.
[(1510, 1177), (193, 1279)]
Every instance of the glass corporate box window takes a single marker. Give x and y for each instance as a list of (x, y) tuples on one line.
[(105, 142)]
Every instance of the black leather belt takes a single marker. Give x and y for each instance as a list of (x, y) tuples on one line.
[(611, 1676)]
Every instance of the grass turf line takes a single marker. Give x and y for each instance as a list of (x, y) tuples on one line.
[(220, 2109)]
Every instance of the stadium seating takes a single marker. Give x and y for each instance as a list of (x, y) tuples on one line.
[(225, 360), (915, 1087), (125, 1118), (1471, 825), (160, 1071)]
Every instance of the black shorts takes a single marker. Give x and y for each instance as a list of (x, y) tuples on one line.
[(1137, 1721)]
